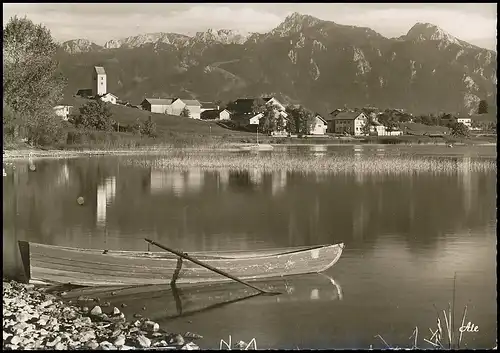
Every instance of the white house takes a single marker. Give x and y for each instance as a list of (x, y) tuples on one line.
[(380, 130), (194, 108), (351, 123), (99, 81), (178, 105), (467, 121), (109, 98), (255, 120), (319, 126), (63, 111)]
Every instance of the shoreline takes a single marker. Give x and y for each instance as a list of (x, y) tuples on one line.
[(36, 319), (14, 154)]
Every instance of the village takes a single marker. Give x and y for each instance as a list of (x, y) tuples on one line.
[(242, 114)]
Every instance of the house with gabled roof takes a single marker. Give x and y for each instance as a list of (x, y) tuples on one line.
[(109, 98), (242, 110), (351, 123), (157, 105), (320, 125), (192, 105)]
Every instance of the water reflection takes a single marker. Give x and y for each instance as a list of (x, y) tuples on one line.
[(412, 230), (318, 150), (105, 197), (279, 181), (176, 182)]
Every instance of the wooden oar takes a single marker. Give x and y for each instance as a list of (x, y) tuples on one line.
[(220, 272)]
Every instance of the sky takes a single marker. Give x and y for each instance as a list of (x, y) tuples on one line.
[(100, 22)]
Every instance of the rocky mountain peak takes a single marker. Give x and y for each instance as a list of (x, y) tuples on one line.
[(427, 31), (75, 46), (294, 23), (224, 36)]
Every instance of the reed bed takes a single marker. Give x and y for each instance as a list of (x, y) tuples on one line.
[(309, 164)]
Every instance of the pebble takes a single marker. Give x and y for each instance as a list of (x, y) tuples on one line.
[(151, 326), (96, 310), (123, 305), (177, 340), (143, 341), (119, 341), (34, 319)]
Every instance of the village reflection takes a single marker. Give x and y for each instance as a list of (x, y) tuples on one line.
[(380, 151), (279, 181), (318, 150), (106, 192), (177, 182)]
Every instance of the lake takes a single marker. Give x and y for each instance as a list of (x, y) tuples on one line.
[(407, 237)]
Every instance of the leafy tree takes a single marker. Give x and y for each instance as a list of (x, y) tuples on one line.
[(149, 128), (267, 123), (483, 107), (459, 130), (95, 115), (10, 122), (366, 127), (388, 120), (136, 128), (185, 112), (300, 120), (32, 84), (258, 106)]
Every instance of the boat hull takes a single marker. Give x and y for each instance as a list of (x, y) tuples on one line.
[(94, 267)]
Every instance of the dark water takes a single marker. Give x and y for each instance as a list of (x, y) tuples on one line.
[(406, 238)]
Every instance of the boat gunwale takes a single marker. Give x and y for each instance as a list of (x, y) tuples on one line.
[(162, 255)]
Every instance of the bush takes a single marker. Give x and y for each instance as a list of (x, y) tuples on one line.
[(94, 115)]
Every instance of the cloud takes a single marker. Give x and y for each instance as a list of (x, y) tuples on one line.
[(475, 23), (100, 24), (459, 23)]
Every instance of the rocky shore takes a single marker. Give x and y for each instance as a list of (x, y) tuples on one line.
[(35, 319)]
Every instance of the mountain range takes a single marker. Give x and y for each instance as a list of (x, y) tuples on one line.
[(320, 64)]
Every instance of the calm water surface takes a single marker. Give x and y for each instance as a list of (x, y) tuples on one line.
[(406, 237)]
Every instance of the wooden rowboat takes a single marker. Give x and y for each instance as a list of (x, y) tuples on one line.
[(159, 302), (52, 264)]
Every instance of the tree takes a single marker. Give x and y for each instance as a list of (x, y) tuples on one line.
[(258, 106), (291, 126), (483, 107), (95, 115), (32, 84), (388, 120), (136, 128), (185, 112), (267, 122), (149, 128), (300, 120), (366, 127), (459, 130)]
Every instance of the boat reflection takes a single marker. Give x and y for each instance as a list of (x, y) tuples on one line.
[(168, 302)]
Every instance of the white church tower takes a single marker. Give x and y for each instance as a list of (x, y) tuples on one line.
[(99, 81)]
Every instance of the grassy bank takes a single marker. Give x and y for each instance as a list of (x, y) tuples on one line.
[(334, 164)]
